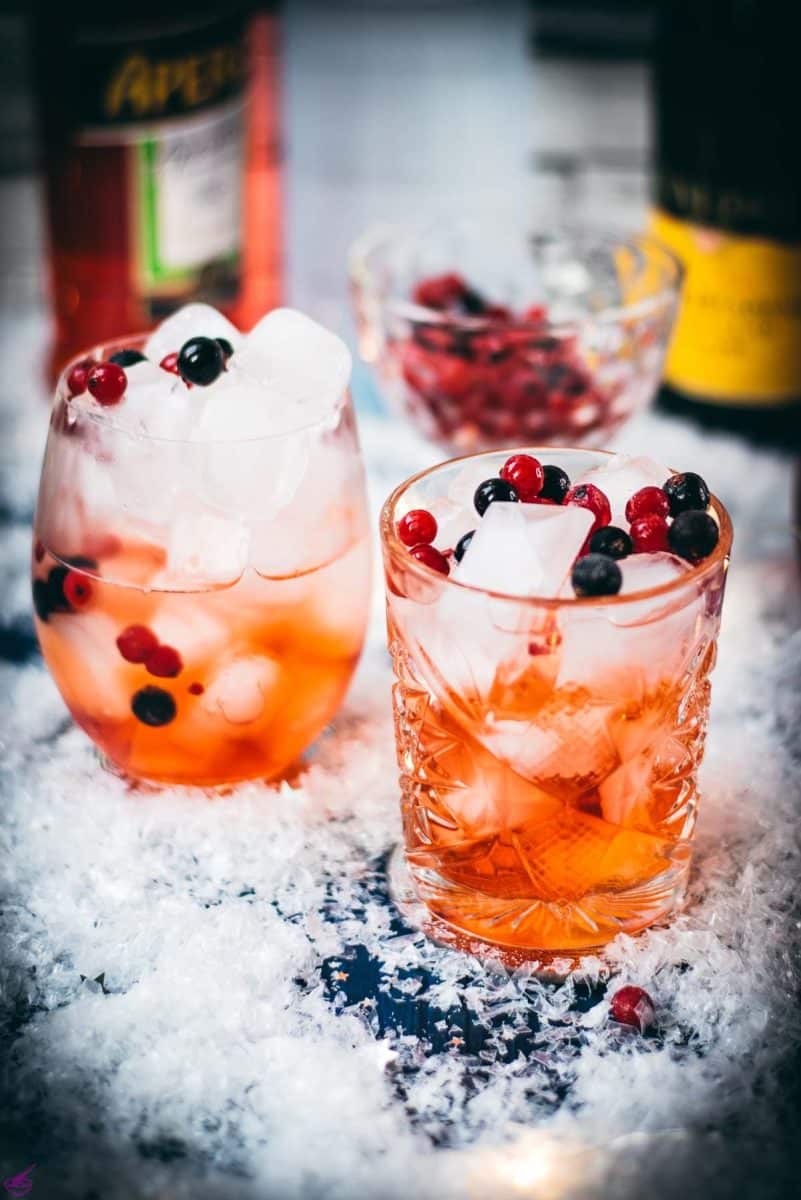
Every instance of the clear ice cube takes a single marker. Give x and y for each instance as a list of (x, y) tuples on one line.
[(244, 691), (193, 320)]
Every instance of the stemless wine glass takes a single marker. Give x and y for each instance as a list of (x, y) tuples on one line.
[(200, 605), (548, 746)]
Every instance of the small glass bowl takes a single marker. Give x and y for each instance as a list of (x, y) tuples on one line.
[(559, 338)]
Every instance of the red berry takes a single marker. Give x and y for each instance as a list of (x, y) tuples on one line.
[(76, 380), (170, 362), (431, 558), (38, 550), (164, 662), (633, 1006), (648, 501), (77, 589), (441, 291), (418, 527), (649, 534), (196, 689), (587, 495), (107, 382), (136, 642), (526, 474)]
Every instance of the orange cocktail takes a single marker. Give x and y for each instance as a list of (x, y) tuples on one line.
[(548, 742)]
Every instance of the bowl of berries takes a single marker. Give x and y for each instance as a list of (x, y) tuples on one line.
[(491, 337)]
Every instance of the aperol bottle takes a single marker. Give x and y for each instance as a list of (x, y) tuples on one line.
[(161, 155)]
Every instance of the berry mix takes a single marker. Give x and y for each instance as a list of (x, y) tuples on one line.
[(201, 360), (672, 519), (497, 377)]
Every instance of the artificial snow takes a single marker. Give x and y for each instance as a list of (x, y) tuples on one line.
[(225, 1050)]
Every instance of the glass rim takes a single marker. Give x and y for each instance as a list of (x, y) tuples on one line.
[(361, 275), (696, 574), (103, 416)]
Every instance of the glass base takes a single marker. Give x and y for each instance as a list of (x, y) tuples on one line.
[(467, 920)]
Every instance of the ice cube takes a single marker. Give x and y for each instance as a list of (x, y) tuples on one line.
[(567, 747), (524, 549), (193, 320), (641, 572), (199, 634), (245, 690), (156, 404), (203, 547), (293, 357), (621, 477)]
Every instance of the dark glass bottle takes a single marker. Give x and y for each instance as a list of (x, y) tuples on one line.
[(161, 162), (727, 200)]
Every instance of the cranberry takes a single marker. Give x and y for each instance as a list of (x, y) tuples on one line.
[(77, 589), (525, 474), (648, 501), (196, 689), (633, 1006), (431, 558), (170, 362), (441, 291), (38, 551), (587, 495), (153, 706), (76, 380), (136, 642), (106, 381), (163, 661), (417, 527), (649, 534)]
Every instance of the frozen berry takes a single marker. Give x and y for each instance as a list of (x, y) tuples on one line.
[(225, 346), (462, 544), (525, 474), (201, 361), (587, 495), (611, 541), (41, 599), (153, 706), (633, 1006), (649, 534), (685, 491), (136, 642), (127, 358), (196, 689), (77, 589), (170, 362), (431, 558), (106, 382), (491, 490), (648, 501), (76, 380), (55, 587), (38, 551), (555, 484), (441, 291), (693, 535), (163, 661), (596, 575), (417, 527)]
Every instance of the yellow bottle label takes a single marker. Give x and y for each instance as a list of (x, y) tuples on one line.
[(738, 334)]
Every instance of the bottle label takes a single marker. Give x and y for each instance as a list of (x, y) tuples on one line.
[(738, 333)]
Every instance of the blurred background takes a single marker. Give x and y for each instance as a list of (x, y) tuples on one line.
[(613, 113)]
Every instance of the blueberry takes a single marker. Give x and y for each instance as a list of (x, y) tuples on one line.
[(127, 358), (693, 535), (556, 485), (201, 361), (596, 575), (462, 544), (81, 563), (611, 541), (56, 599), (491, 490), (41, 599), (225, 346), (153, 706), (686, 491), (472, 302)]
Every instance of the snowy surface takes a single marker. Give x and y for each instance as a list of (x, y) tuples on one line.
[(266, 1025)]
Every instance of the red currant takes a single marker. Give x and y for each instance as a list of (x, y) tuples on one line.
[(431, 558), (170, 362), (649, 534), (107, 382), (164, 662), (418, 527), (648, 501), (633, 1006), (196, 689), (76, 380), (38, 551), (526, 474), (136, 642), (441, 291), (77, 589), (587, 495)]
